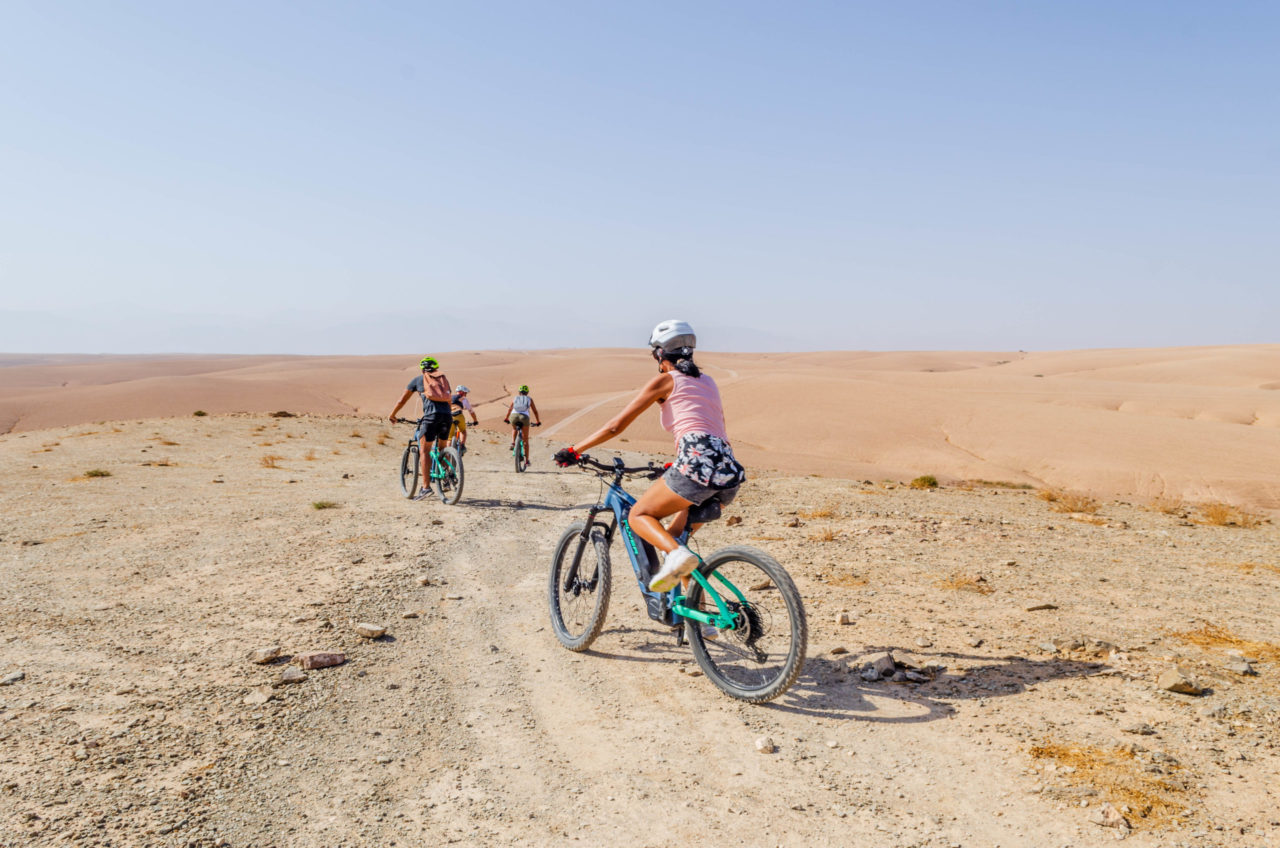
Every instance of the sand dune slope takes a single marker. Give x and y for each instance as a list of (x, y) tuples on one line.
[(1194, 423)]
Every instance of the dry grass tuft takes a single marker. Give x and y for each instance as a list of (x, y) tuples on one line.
[(925, 481), (1247, 567), (383, 436), (323, 505), (1063, 501), (199, 413), (1211, 636), (966, 583), (310, 456), (846, 581), (356, 434), (1226, 515), (1169, 506), (161, 463), (1089, 519), (271, 460), (1148, 799), (96, 472), (827, 535), (999, 484), (825, 511)]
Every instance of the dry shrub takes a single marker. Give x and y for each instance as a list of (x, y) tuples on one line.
[(47, 445), (1226, 515), (847, 581), (1152, 799), (356, 434), (271, 460), (166, 442), (96, 472), (925, 481), (1169, 506), (383, 436), (827, 535), (1063, 501), (1089, 519), (966, 583), (323, 505), (265, 444), (999, 484), (310, 456), (160, 463), (1247, 567), (1211, 636), (826, 511)]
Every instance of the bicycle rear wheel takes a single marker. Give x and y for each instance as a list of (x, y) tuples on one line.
[(579, 598), (521, 455), (759, 659), (450, 484), (409, 470)]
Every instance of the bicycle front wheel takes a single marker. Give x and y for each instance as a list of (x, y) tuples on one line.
[(761, 656), (409, 470), (450, 484), (579, 597)]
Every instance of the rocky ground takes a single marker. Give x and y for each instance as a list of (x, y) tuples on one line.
[(131, 712)]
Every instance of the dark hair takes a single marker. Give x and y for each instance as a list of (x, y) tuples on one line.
[(682, 358)]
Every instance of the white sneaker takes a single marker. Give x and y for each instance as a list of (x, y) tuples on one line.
[(678, 563)]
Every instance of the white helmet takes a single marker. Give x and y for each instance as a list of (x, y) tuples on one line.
[(672, 335), (462, 389)]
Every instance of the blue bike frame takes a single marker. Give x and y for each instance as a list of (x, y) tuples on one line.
[(666, 607)]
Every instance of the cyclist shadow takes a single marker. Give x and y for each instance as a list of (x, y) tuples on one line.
[(502, 503), (833, 688)]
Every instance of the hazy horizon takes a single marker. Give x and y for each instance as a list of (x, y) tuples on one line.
[(244, 178)]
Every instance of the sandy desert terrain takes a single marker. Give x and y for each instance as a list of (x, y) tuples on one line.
[(1195, 424), (131, 713)]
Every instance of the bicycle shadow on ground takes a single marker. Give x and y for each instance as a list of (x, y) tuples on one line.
[(833, 688), (503, 503)]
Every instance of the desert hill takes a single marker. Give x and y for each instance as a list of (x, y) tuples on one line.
[(1199, 424)]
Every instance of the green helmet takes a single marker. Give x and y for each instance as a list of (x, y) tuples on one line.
[(429, 363), (524, 390)]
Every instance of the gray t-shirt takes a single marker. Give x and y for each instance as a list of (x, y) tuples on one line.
[(429, 406)]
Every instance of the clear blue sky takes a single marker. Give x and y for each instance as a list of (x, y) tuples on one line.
[(384, 176)]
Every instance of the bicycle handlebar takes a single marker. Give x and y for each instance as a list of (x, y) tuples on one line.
[(616, 467)]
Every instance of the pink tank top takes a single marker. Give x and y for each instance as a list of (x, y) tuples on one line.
[(693, 407)]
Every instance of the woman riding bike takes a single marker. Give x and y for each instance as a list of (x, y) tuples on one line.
[(518, 416), (704, 466)]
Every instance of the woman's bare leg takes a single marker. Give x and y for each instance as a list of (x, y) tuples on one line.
[(657, 503)]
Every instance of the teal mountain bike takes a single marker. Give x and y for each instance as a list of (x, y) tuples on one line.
[(446, 469), (520, 449), (742, 616)]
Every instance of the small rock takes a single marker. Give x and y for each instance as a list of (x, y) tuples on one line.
[(291, 675), (762, 585), (260, 696), (765, 745), (733, 521), (262, 656), (369, 631), (923, 642), (831, 743), (320, 659), (383, 760), (1141, 729), (1048, 647), (453, 597), (409, 614), (436, 521), (1176, 680), (1240, 667), (357, 560), (388, 555), (1220, 711), (882, 664), (915, 677), (975, 642), (12, 678), (1108, 816), (424, 581), (838, 650), (1038, 607), (845, 617)]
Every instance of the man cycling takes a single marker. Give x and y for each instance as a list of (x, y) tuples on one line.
[(518, 416), (436, 420), (461, 406)]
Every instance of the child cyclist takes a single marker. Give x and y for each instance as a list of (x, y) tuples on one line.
[(518, 416), (436, 420), (461, 406), (704, 465)]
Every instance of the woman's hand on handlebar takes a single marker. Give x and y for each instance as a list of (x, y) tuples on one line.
[(567, 456)]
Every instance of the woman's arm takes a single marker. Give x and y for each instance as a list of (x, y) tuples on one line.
[(533, 407), (656, 389)]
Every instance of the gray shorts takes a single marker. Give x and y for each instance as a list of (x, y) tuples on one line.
[(695, 492), (519, 419)]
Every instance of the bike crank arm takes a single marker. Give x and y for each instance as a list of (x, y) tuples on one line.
[(725, 619)]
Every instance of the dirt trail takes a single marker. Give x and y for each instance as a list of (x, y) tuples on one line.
[(131, 602)]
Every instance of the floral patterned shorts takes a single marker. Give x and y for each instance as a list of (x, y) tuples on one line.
[(704, 467)]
